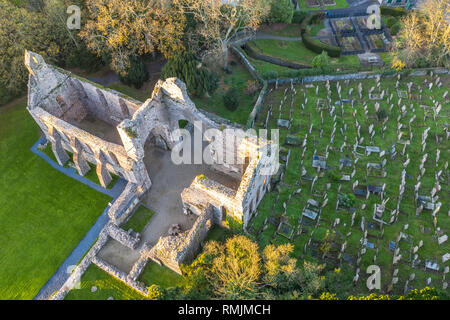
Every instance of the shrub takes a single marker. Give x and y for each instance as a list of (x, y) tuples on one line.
[(313, 45), (395, 29), (347, 200), (271, 74), (153, 292), (213, 82), (281, 11), (137, 74), (187, 68), (391, 21), (321, 61), (334, 175), (313, 18), (82, 58), (299, 16), (382, 114), (231, 99), (318, 46), (5, 96)]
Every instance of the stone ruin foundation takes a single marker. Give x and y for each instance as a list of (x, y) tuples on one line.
[(109, 131)]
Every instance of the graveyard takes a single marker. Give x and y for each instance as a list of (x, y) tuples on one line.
[(101, 201), (363, 178)]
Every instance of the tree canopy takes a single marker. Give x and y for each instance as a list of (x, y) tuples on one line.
[(217, 22), (424, 39), (127, 28)]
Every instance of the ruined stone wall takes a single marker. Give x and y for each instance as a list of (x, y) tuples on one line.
[(204, 192), (92, 148), (125, 238), (254, 184), (117, 212), (122, 276), (171, 251), (71, 98)]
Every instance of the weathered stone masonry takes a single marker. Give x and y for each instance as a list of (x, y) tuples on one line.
[(103, 128)]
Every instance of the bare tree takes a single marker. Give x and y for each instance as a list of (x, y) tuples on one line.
[(218, 21), (425, 35), (126, 28)]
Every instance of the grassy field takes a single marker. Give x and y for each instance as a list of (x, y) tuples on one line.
[(43, 213), (419, 227), (107, 286), (315, 28), (160, 275), (295, 51), (238, 78), (282, 30), (139, 219), (339, 4)]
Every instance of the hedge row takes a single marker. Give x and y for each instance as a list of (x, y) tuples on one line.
[(312, 18), (317, 46), (393, 11)]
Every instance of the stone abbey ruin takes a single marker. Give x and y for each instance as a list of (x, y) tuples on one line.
[(117, 135)]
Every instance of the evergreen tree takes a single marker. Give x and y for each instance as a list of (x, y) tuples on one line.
[(137, 74), (281, 11), (187, 67)]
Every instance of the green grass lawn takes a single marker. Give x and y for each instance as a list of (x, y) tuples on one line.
[(107, 286), (139, 219), (295, 51), (160, 275), (315, 28), (387, 57), (238, 78), (263, 67), (339, 4), (43, 213), (286, 30)]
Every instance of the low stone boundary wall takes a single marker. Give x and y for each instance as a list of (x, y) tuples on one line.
[(138, 266), (257, 106), (122, 276), (125, 238), (124, 204), (283, 81), (171, 251)]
